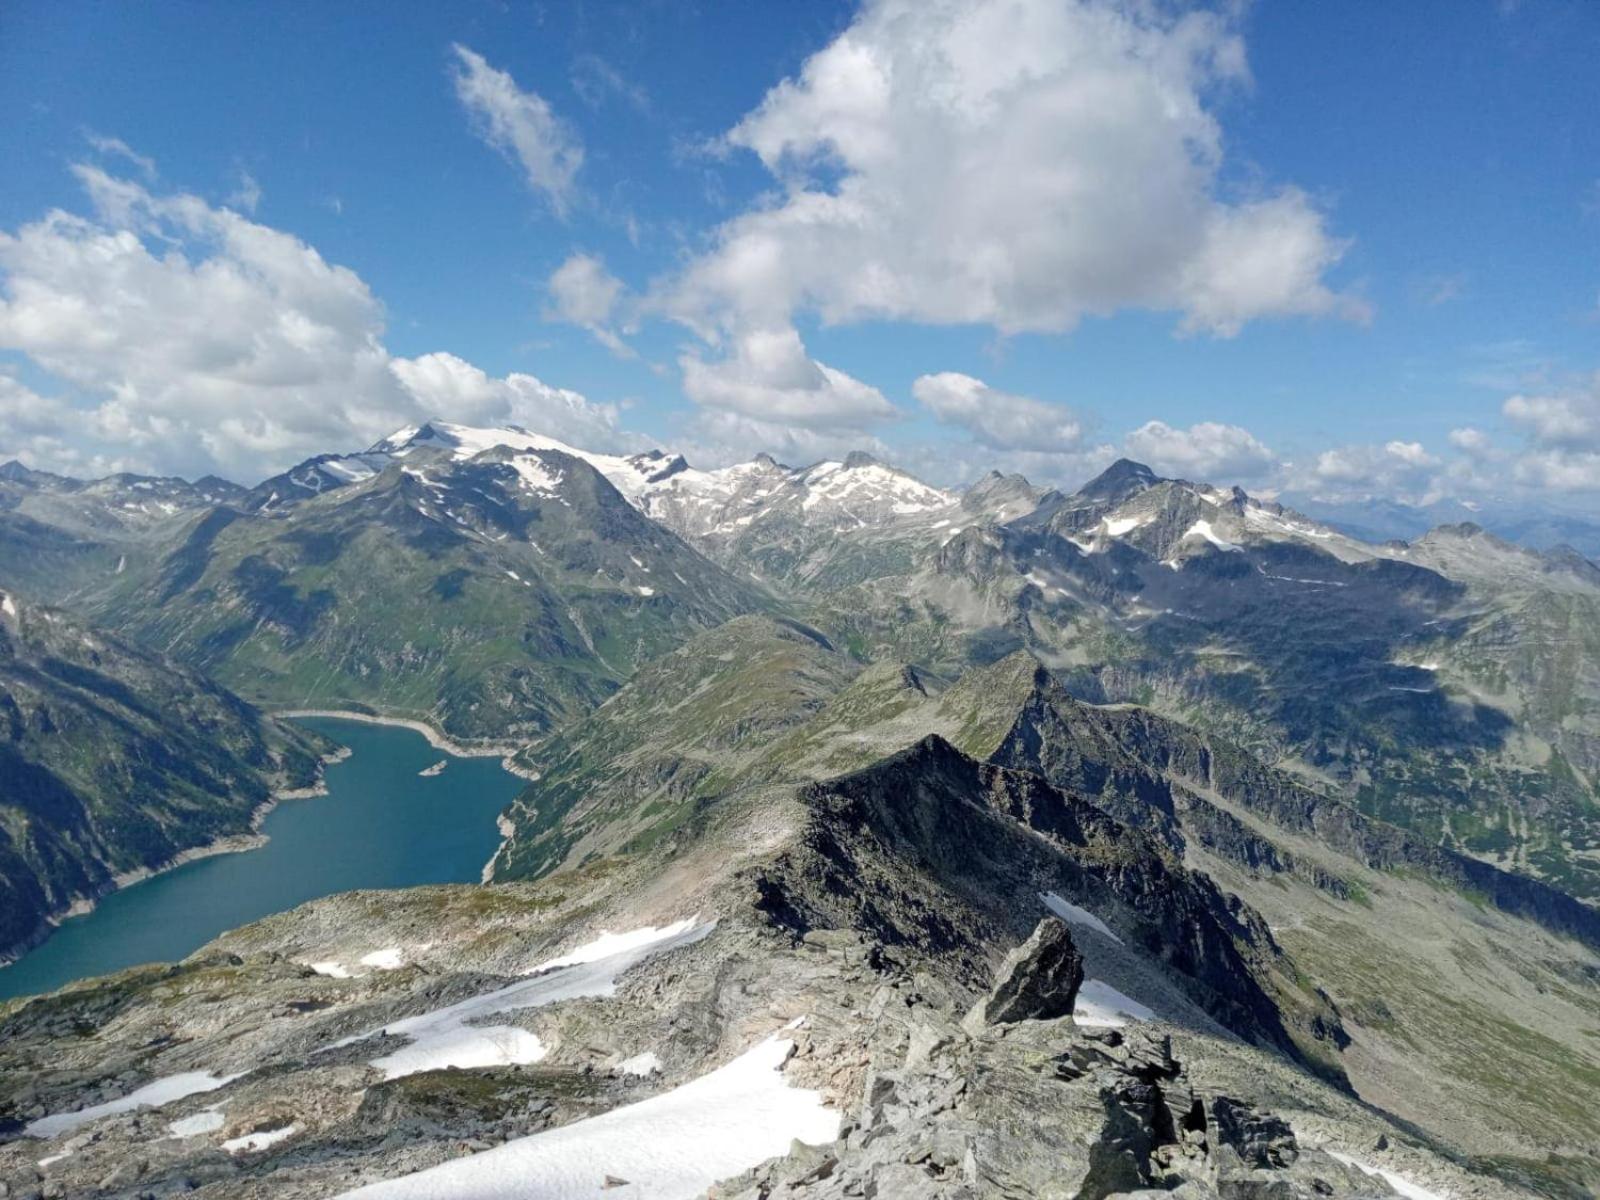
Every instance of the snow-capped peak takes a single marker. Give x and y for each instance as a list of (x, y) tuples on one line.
[(632, 475)]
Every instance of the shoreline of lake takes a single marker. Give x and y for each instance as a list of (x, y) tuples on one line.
[(388, 826), (437, 738), (228, 843)]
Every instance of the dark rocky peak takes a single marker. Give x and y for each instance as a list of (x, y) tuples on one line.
[(767, 462), (912, 679), (859, 458), (990, 839), (1121, 480)]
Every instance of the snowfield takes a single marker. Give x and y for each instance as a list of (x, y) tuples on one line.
[(453, 1036), (1401, 1185), (670, 1147), (1101, 1006), (250, 1142), (151, 1095), (1073, 915), (207, 1120)]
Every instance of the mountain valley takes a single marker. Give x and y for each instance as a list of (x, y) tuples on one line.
[(1153, 837)]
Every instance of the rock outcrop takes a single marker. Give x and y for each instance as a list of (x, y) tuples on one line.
[(1039, 980)]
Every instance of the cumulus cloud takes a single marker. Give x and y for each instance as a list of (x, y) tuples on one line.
[(767, 376), (1472, 442), (442, 383), (521, 125), (583, 293), (997, 419), (198, 340), (1019, 164), (1566, 421), (717, 438), (1397, 470), (1562, 429), (1208, 451)]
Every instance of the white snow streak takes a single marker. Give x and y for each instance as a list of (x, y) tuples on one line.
[(1203, 529), (670, 1147), (260, 1140), (207, 1120), (1399, 1183), (640, 1064), (1102, 1006), (452, 1037), (1074, 915), (151, 1095)]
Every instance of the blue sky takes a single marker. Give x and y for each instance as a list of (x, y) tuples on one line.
[(928, 242)]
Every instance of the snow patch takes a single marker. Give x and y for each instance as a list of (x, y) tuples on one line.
[(1074, 915), (331, 968), (1122, 525), (8, 605), (1202, 528), (536, 477), (1100, 1005), (151, 1095), (640, 1064), (1398, 1182), (207, 1120), (452, 1037), (387, 959), (645, 591), (608, 945), (250, 1142), (671, 1147)]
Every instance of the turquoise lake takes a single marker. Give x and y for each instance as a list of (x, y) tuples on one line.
[(381, 825)]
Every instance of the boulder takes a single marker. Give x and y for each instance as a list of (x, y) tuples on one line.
[(1038, 981)]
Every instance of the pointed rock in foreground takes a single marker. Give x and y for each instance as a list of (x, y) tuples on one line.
[(1038, 981)]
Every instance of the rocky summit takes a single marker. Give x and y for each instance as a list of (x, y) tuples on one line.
[(872, 840)]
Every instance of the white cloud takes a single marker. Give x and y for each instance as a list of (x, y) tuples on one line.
[(1208, 451), (768, 377), (1472, 442), (113, 147), (1020, 164), (198, 340), (584, 293), (246, 196), (1396, 470), (442, 383), (999, 420), (595, 80), (520, 125), (1563, 421), (1563, 437), (718, 438), (1559, 470)]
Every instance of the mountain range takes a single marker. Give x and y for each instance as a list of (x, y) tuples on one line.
[(904, 759)]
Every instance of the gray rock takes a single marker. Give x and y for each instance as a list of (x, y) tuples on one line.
[(1038, 981)]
